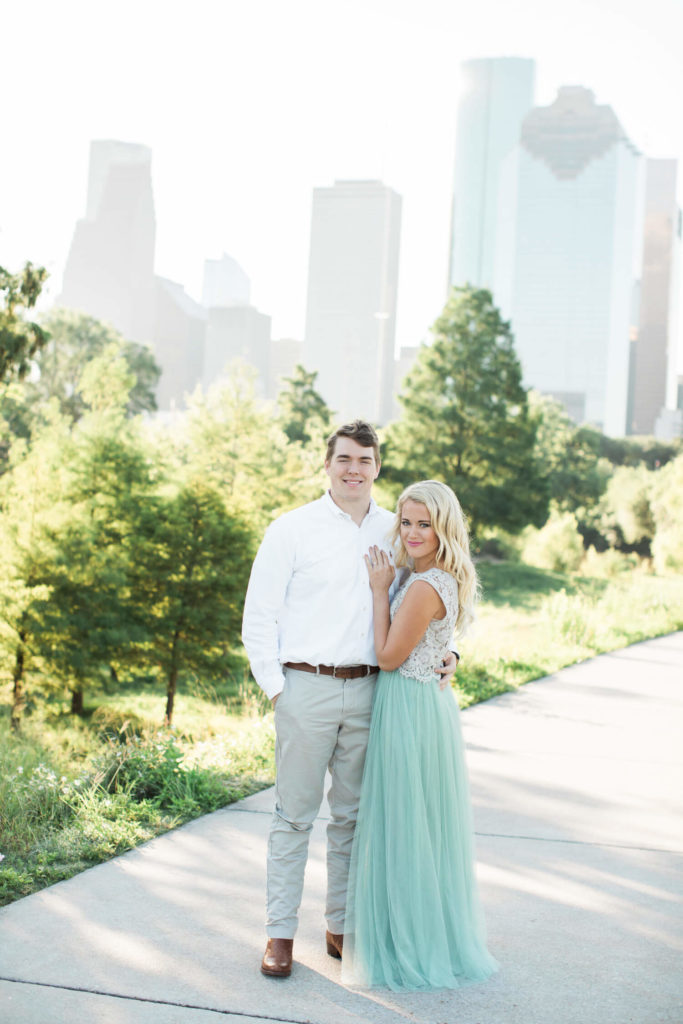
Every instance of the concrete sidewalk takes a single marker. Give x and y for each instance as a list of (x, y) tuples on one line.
[(576, 784)]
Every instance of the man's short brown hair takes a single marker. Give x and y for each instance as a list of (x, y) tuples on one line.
[(359, 431)]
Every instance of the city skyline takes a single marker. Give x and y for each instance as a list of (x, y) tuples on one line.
[(266, 111)]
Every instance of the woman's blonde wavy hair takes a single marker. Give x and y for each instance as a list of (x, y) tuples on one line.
[(453, 555)]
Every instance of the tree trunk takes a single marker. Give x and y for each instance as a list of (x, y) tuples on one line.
[(18, 692), (77, 702), (170, 695), (172, 682)]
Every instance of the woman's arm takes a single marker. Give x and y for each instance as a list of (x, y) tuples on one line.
[(395, 640)]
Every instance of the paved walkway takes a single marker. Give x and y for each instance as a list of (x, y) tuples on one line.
[(576, 780)]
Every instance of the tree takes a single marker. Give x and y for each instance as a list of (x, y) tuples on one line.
[(556, 546), (629, 451), (234, 442), (86, 625), (29, 501), (75, 340), (191, 563), (627, 519), (667, 511), (466, 418), (20, 339), (303, 413), (575, 475)]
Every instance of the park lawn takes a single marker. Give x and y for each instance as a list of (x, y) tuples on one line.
[(532, 622), (76, 792)]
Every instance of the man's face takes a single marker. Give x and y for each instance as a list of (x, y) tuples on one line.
[(352, 471)]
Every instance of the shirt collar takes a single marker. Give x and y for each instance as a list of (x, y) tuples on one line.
[(334, 508)]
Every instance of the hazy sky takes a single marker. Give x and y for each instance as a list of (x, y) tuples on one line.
[(249, 104)]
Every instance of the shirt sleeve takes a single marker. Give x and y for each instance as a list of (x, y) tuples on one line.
[(270, 575)]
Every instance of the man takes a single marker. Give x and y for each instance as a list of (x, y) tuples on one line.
[(308, 633)]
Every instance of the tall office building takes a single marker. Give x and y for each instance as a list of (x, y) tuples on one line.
[(225, 283), (654, 349), (237, 332), (352, 290), (179, 343), (285, 354), (498, 94), (110, 268), (571, 247)]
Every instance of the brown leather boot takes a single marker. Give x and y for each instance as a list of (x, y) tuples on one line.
[(277, 959), (335, 944)]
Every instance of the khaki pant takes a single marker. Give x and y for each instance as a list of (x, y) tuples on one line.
[(321, 723)]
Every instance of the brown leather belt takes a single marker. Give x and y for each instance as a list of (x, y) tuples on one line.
[(339, 671)]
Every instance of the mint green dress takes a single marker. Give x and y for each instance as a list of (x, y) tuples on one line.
[(413, 919)]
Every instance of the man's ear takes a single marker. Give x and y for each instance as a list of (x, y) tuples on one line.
[(379, 466)]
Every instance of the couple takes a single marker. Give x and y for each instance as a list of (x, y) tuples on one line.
[(317, 636)]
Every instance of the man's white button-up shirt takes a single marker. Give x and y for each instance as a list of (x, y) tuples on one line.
[(309, 598)]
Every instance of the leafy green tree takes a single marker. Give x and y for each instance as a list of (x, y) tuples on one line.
[(466, 418), (20, 339), (629, 451), (86, 624), (303, 413), (627, 518), (75, 340), (666, 505), (556, 546), (190, 569), (575, 474), (234, 442), (30, 494)]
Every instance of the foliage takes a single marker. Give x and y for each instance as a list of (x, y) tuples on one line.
[(667, 512), (20, 339), (650, 452), (105, 477), (608, 564), (31, 502), (60, 815), (75, 341), (467, 420), (556, 546), (627, 517), (189, 567), (533, 622), (303, 413), (234, 443), (575, 474)]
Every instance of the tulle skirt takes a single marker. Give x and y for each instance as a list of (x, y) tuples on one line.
[(413, 919)]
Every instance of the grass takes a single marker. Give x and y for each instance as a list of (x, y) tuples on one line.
[(76, 791), (533, 622)]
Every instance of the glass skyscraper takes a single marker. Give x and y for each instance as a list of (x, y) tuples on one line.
[(498, 94), (352, 290)]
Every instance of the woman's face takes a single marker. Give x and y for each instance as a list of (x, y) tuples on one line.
[(417, 536)]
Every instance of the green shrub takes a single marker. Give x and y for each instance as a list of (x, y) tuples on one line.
[(608, 564), (153, 769), (667, 510), (556, 546)]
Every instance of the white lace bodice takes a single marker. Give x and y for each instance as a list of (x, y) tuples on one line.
[(430, 651)]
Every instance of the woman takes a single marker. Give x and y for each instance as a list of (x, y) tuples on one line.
[(413, 919)]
